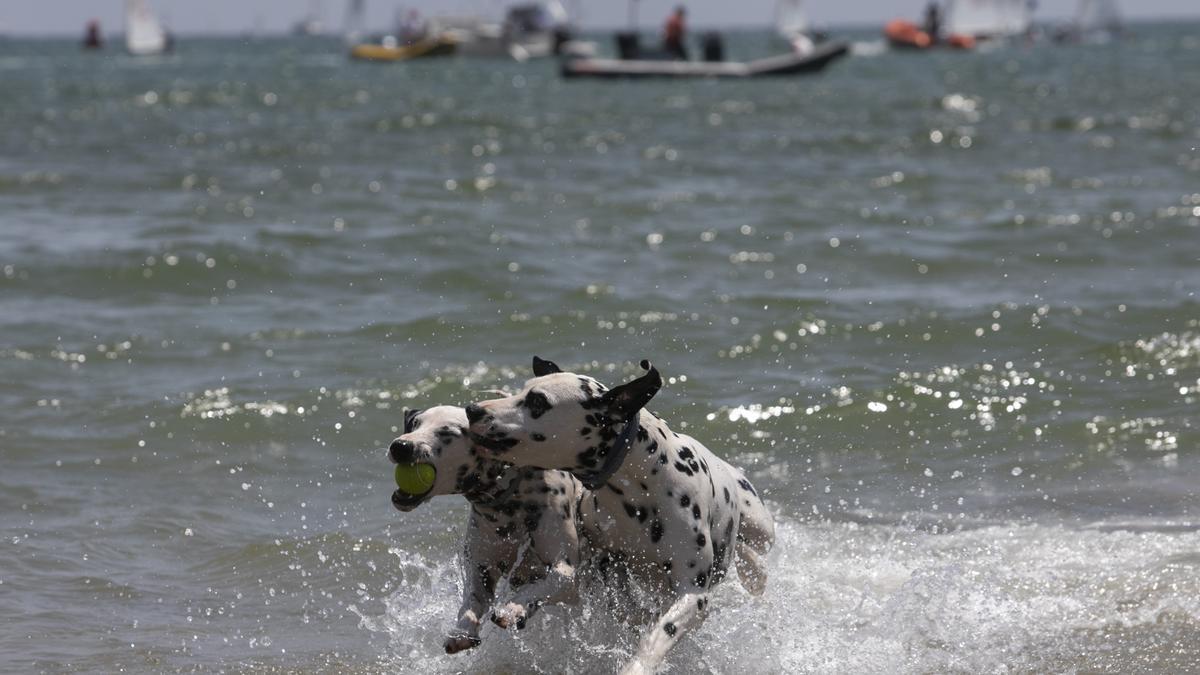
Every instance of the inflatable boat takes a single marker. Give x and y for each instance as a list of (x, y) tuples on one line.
[(772, 66), (391, 50), (902, 34)]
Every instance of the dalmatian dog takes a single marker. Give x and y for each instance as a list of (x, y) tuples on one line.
[(669, 507), (523, 522)]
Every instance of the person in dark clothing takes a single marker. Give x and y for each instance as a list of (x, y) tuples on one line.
[(91, 36), (673, 34), (933, 21)]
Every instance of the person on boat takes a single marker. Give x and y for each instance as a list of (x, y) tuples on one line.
[(91, 36), (673, 34), (933, 21)]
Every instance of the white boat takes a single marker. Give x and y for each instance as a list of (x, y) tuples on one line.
[(988, 19), (144, 35), (771, 66), (530, 30)]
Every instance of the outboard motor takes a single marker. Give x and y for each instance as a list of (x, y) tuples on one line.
[(627, 45), (713, 47)]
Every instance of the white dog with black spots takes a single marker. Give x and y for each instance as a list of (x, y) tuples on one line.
[(664, 506), (523, 524)]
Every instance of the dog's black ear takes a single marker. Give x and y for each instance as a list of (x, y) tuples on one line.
[(409, 417), (626, 400), (543, 367)]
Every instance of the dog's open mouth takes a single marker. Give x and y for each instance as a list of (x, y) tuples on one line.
[(493, 444), (406, 502)]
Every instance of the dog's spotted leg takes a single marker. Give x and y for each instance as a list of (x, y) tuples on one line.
[(485, 559), (558, 586), (687, 612), (551, 558)]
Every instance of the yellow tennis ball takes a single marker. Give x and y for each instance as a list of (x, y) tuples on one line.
[(415, 479)]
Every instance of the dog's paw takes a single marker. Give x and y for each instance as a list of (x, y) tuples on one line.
[(509, 616), (460, 642)]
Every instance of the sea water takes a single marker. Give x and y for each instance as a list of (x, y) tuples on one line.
[(940, 307)]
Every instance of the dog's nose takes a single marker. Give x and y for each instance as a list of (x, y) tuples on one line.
[(402, 451), (475, 413)]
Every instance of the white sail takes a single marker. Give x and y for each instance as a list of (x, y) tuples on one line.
[(1097, 15), (353, 29), (988, 18), (790, 19), (144, 35)]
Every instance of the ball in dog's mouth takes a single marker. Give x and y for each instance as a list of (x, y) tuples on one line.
[(414, 482)]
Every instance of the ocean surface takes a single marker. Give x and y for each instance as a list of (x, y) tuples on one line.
[(942, 308)]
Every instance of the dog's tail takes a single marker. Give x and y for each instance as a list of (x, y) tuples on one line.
[(756, 535)]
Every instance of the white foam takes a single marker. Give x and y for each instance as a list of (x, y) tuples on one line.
[(853, 598)]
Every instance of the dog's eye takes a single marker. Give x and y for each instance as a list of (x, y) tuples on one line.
[(447, 433), (537, 403)]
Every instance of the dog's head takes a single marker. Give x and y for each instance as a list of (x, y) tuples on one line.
[(559, 420), (437, 437)]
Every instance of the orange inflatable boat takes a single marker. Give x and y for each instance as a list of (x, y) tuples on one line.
[(902, 34)]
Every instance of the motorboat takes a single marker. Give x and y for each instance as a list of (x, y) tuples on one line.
[(904, 34), (528, 31), (967, 23), (772, 66)]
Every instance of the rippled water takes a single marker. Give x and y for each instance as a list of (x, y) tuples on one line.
[(941, 307)]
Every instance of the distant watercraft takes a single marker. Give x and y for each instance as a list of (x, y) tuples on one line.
[(310, 25), (791, 19), (1095, 21), (774, 66), (793, 26), (389, 48), (144, 35), (962, 25), (904, 34), (529, 30), (354, 25)]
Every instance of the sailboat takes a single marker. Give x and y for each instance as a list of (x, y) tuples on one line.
[(1096, 21), (144, 35), (310, 25), (792, 26), (354, 25), (790, 19)]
